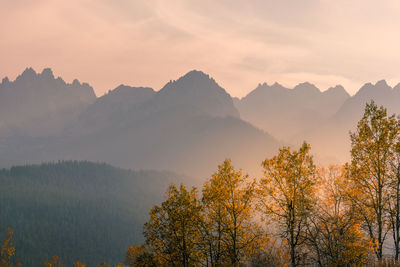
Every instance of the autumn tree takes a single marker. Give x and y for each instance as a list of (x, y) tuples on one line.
[(7, 250), (271, 254), (172, 233), (394, 191), (288, 196), (78, 264), (139, 256), (230, 234), (335, 237), (370, 171), (54, 262), (104, 264)]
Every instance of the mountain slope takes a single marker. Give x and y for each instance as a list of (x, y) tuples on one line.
[(198, 92), (331, 138), (287, 112), (111, 107), (39, 103), (189, 126)]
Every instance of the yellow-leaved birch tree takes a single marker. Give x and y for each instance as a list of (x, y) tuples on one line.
[(370, 172), (288, 196), (335, 237), (231, 234), (172, 233)]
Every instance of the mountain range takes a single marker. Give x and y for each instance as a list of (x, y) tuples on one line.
[(188, 126), (324, 119), (37, 104), (287, 112)]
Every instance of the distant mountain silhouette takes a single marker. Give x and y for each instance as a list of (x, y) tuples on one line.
[(381, 93), (336, 129), (39, 103), (111, 107), (199, 93), (287, 112), (324, 119), (189, 126)]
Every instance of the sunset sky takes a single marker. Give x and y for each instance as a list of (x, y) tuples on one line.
[(238, 42)]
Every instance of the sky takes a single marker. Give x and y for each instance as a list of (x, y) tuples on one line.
[(240, 43)]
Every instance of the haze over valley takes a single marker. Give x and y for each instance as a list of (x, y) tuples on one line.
[(199, 133), (176, 134), (188, 126)]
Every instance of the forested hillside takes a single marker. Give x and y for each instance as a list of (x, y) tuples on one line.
[(77, 210), (296, 214)]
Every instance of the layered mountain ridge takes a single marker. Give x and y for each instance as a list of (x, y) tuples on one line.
[(324, 119), (331, 139), (285, 112), (40, 104), (190, 125)]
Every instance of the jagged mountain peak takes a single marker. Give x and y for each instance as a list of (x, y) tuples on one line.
[(194, 80), (196, 90), (265, 90), (382, 83), (76, 82), (262, 85), (5, 81), (47, 73), (337, 90), (338, 87), (27, 74), (370, 89), (306, 87), (286, 112), (196, 74), (276, 84), (366, 88), (33, 95)]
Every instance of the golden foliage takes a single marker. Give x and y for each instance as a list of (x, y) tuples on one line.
[(79, 264), (334, 233), (54, 262), (287, 193), (229, 233), (369, 172), (172, 232), (7, 250), (139, 256)]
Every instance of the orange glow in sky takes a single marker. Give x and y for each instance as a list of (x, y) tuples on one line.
[(240, 43)]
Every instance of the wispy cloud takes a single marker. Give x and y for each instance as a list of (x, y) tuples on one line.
[(241, 43)]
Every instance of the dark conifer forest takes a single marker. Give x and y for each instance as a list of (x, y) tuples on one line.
[(77, 210)]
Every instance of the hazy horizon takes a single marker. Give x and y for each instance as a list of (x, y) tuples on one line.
[(198, 133), (106, 43), (56, 75)]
